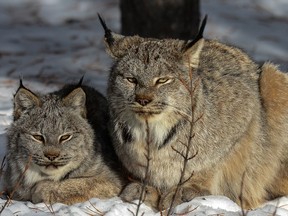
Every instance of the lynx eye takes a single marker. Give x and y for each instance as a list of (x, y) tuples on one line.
[(65, 137), (38, 138), (163, 80), (132, 80)]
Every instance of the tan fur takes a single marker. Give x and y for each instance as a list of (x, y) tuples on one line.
[(274, 91), (75, 190)]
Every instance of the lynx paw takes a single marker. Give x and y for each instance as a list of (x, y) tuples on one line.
[(133, 192), (43, 192), (184, 194)]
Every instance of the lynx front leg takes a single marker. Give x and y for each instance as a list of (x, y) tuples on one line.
[(72, 191), (180, 195), (133, 192)]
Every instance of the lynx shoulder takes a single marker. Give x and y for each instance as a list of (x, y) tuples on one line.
[(55, 147), (202, 95)]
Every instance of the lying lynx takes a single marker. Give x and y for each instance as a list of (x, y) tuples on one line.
[(201, 91), (54, 155)]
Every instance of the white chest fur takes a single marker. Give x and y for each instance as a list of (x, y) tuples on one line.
[(165, 164), (35, 174)]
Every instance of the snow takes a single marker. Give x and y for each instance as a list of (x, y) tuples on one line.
[(51, 42)]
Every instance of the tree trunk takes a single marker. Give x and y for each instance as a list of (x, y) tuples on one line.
[(160, 18)]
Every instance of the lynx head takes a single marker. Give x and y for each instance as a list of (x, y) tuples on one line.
[(50, 131), (149, 75)]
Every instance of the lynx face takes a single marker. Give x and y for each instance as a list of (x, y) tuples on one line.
[(150, 81), (51, 133)]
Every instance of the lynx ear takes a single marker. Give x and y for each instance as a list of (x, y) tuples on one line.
[(192, 55), (24, 99), (193, 48), (77, 101), (118, 45)]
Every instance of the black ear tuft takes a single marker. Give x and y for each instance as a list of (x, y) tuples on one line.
[(199, 35), (76, 100), (24, 100), (202, 27), (21, 85), (80, 81), (108, 33)]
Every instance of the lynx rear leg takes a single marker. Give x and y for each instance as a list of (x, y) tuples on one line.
[(274, 92)]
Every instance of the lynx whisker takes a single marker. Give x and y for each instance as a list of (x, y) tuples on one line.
[(177, 110)]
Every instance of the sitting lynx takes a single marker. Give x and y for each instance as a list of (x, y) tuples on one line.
[(203, 95), (54, 155)]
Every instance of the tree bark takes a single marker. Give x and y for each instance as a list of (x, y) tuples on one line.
[(160, 18)]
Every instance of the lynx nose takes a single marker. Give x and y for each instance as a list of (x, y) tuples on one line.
[(51, 155), (143, 101)]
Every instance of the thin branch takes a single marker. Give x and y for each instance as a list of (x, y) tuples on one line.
[(200, 117), (276, 208), (192, 156), (185, 85), (180, 153), (184, 181), (10, 196), (144, 185), (131, 212), (241, 195), (2, 166), (50, 208), (184, 144), (186, 158)]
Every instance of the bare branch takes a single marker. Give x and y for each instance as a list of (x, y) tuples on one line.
[(197, 83), (94, 210), (184, 181), (184, 144), (185, 155), (276, 208), (145, 182), (200, 117), (131, 212), (19, 181), (185, 85), (50, 208), (180, 153), (193, 156), (2, 165), (241, 195)]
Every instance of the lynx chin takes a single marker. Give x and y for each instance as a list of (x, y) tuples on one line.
[(240, 119), (56, 147)]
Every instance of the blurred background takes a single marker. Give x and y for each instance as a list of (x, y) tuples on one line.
[(52, 42), (57, 41)]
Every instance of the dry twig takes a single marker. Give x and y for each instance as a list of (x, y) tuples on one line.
[(187, 155), (10, 196), (144, 184)]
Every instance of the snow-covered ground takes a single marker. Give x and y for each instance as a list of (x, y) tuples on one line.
[(51, 42)]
